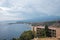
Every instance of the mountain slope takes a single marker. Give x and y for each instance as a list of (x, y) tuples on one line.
[(43, 19)]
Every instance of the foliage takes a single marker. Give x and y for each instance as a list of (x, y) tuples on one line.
[(13, 38), (46, 28), (47, 33), (27, 35)]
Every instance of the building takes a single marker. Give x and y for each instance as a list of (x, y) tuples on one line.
[(54, 31)]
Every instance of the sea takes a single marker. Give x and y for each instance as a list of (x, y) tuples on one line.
[(7, 32)]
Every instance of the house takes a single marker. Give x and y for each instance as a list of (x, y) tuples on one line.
[(54, 31)]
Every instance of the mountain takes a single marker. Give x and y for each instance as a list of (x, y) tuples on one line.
[(43, 19), (50, 21), (34, 20)]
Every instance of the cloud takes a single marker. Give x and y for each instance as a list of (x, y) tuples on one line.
[(27, 9), (1, 2), (4, 15)]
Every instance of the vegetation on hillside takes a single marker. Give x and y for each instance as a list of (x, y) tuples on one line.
[(26, 35)]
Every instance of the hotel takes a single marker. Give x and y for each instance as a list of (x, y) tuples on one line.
[(54, 31)]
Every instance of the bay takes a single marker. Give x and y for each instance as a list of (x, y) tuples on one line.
[(12, 31)]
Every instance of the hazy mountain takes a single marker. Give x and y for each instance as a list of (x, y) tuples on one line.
[(37, 19), (43, 19)]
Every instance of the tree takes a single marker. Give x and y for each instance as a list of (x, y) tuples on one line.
[(46, 28), (27, 35), (47, 31), (13, 38)]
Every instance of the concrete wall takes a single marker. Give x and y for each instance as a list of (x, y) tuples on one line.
[(45, 39), (58, 32)]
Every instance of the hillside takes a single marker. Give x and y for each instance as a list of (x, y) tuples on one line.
[(49, 23)]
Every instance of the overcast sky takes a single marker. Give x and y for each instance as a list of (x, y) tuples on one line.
[(28, 9)]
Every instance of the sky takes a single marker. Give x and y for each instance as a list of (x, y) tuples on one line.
[(28, 9)]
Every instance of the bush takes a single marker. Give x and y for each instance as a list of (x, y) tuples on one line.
[(27, 35)]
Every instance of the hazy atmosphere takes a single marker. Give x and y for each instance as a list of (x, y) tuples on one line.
[(28, 9)]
